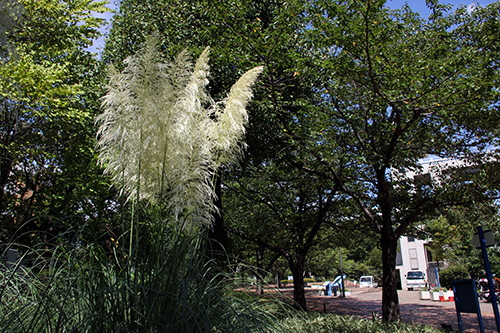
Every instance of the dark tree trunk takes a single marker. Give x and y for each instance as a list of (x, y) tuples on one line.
[(217, 235), (389, 239), (260, 271), (5, 169), (390, 299), (297, 268)]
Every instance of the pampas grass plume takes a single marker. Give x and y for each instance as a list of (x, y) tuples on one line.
[(158, 138)]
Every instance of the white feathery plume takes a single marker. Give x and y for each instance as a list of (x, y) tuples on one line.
[(156, 137), (191, 198), (227, 133)]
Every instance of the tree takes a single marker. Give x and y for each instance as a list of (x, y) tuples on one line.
[(395, 87), (48, 93), (389, 88), (289, 206), (10, 16), (241, 34), (452, 233)]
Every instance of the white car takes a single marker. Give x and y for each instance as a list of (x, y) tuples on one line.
[(415, 280), (367, 281)]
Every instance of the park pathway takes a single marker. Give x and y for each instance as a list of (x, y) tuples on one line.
[(366, 303)]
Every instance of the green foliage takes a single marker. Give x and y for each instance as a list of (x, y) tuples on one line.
[(48, 100), (89, 288), (452, 233), (393, 88), (324, 261), (306, 280), (357, 260), (10, 16), (314, 322), (356, 269), (348, 98), (288, 206), (455, 272)]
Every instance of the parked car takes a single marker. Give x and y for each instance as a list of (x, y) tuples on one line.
[(415, 280), (367, 281)]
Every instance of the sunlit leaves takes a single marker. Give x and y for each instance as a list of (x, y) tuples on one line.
[(47, 97)]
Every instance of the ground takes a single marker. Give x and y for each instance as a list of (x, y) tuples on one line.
[(367, 302)]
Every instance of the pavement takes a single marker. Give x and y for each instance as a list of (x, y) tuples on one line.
[(367, 303)]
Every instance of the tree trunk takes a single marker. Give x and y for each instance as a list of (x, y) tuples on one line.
[(5, 169), (217, 235), (390, 299), (297, 268), (260, 271)]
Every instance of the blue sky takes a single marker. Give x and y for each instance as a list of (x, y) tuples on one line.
[(417, 5)]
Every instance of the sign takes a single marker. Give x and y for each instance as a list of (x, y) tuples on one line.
[(466, 301), (466, 298), (488, 238)]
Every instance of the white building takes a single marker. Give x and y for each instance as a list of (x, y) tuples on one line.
[(414, 254), (431, 166)]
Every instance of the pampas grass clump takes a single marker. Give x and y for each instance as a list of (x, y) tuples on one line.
[(162, 137)]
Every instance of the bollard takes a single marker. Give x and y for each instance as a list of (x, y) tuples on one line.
[(451, 296), (441, 295)]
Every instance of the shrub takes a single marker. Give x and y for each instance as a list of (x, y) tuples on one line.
[(315, 322), (456, 272), (306, 280), (82, 289)]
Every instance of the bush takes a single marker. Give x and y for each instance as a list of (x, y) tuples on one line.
[(447, 275), (82, 289), (316, 322), (306, 280)]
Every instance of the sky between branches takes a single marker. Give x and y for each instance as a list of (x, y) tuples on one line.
[(417, 5)]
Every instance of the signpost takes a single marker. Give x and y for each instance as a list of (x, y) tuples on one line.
[(482, 237), (342, 291), (466, 301)]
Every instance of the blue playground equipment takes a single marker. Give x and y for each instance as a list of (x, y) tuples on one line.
[(333, 286), (338, 281)]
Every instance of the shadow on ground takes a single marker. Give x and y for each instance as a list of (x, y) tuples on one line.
[(433, 314)]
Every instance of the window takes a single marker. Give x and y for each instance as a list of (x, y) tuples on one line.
[(414, 275), (413, 258)]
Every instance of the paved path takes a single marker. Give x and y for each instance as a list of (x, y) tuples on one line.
[(365, 302)]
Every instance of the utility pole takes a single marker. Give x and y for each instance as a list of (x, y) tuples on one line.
[(342, 290)]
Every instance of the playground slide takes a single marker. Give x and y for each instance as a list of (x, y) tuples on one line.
[(338, 281)]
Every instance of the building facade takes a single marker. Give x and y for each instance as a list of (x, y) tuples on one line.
[(414, 254)]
